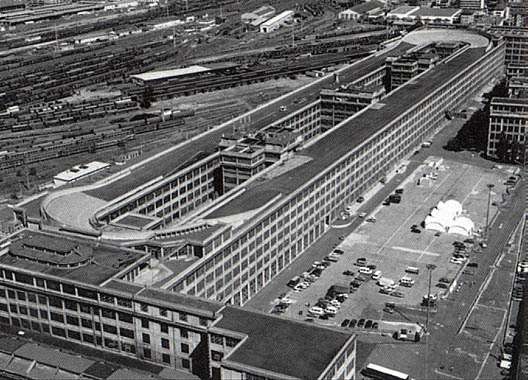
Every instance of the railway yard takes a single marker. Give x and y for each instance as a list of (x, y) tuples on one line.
[(68, 95)]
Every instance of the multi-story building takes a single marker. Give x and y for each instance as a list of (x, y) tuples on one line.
[(338, 105), (509, 120), (70, 288), (401, 69), (187, 247), (516, 39)]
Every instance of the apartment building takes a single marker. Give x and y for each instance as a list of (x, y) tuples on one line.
[(509, 120)]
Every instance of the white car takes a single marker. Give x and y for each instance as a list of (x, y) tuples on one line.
[(371, 219), (362, 214), (316, 310), (331, 310), (457, 260), (286, 300), (376, 275), (335, 303), (365, 270), (298, 288)]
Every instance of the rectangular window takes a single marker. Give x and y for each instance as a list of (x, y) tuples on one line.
[(146, 338), (126, 332), (109, 329), (57, 317), (185, 348), (164, 328), (86, 323), (166, 358), (72, 320), (165, 343)]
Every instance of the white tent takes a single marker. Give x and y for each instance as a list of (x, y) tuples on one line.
[(462, 226), (445, 217)]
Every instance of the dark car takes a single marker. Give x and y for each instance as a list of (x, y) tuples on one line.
[(386, 202), (360, 199), (445, 280), (442, 285), (416, 230), (355, 283), (352, 323), (473, 265), (399, 191), (348, 273), (341, 298), (326, 264), (371, 266), (368, 324), (375, 325), (324, 316), (309, 320), (345, 323), (361, 322)]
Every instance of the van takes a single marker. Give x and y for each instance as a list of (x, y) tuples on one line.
[(426, 144), (412, 270), (407, 282)]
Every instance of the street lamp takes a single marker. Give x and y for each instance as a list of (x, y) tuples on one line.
[(430, 269), (490, 186)]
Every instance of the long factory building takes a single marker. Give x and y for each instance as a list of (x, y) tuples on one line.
[(161, 257)]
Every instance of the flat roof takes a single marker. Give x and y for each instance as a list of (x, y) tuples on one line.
[(171, 73), (277, 344), (106, 260), (278, 17), (521, 101), (436, 12), (355, 131), (81, 170), (185, 302), (194, 304)]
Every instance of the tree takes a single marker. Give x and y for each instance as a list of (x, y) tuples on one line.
[(147, 98), (501, 150)]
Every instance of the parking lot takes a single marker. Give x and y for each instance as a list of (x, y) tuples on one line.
[(390, 245)]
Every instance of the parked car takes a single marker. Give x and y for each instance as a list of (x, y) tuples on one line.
[(442, 285), (360, 199), (348, 273), (333, 259), (445, 280), (368, 324), (362, 214), (371, 220), (331, 310), (316, 310), (345, 322), (365, 270), (375, 325), (371, 266), (397, 294), (376, 275), (473, 265), (399, 191), (352, 323), (338, 251), (361, 322)]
